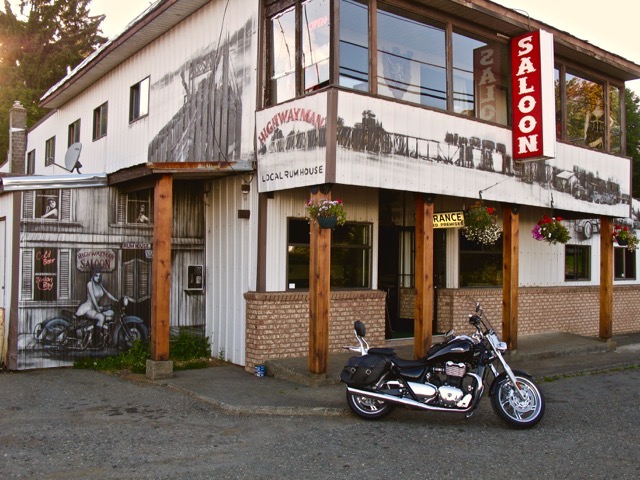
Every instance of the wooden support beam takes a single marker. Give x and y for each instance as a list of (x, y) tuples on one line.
[(423, 322), (606, 278), (319, 293), (161, 268), (510, 279)]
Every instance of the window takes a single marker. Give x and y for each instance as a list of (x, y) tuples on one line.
[(411, 58), (350, 255), (577, 264), (31, 162), (48, 205), (291, 52), (590, 114), (74, 133), (50, 152), (624, 264), (480, 265), (45, 274), (139, 100), (100, 121), (354, 44), (480, 78), (136, 207)]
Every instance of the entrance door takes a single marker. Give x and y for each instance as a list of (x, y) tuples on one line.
[(396, 276)]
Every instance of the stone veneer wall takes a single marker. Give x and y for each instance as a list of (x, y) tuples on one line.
[(277, 324)]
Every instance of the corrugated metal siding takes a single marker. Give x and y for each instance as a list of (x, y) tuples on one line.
[(231, 264)]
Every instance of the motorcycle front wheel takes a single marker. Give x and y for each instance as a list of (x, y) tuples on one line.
[(369, 408), (512, 408), (128, 335)]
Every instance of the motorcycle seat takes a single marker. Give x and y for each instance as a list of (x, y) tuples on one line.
[(400, 362)]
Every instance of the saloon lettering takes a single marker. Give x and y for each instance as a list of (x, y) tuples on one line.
[(290, 115), (527, 95)]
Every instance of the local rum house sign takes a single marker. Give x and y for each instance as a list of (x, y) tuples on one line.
[(533, 96)]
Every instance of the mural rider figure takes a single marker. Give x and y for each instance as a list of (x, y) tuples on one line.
[(91, 308)]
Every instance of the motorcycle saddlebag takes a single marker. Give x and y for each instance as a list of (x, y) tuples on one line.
[(365, 370)]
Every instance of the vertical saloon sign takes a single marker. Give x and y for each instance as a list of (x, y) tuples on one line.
[(533, 96)]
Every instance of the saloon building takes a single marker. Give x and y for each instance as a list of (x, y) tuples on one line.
[(179, 158)]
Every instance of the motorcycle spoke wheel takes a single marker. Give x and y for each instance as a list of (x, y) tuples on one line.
[(369, 408), (128, 335), (517, 411)]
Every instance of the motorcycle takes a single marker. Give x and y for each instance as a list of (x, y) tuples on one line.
[(450, 378), (78, 333)]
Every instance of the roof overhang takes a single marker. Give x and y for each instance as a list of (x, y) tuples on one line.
[(43, 182)]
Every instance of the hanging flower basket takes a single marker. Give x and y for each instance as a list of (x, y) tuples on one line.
[(625, 237), (481, 224), (549, 229), (328, 213)]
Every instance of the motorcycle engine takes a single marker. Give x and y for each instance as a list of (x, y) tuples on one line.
[(451, 393)]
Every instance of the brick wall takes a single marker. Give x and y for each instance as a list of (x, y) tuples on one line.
[(277, 324), (544, 309)]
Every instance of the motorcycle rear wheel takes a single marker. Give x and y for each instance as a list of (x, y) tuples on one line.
[(368, 408), (518, 412)]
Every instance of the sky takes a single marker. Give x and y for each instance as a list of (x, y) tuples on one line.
[(611, 25)]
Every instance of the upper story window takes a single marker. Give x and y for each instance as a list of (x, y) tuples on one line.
[(404, 57), (50, 151), (135, 207), (139, 100), (31, 163), (588, 111), (50, 204), (100, 115), (74, 133), (299, 49)]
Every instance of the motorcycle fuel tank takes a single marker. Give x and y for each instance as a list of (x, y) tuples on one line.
[(459, 349)]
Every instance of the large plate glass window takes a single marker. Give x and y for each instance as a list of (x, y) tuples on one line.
[(480, 265), (350, 255), (283, 56), (411, 58), (480, 78), (315, 44), (354, 44)]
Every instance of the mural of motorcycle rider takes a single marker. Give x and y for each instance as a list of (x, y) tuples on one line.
[(91, 308)]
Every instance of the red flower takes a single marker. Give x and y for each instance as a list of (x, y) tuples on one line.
[(491, 210), (559, 219)]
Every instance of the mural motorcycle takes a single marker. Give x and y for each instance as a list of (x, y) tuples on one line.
[(451, 378), (70, 332)]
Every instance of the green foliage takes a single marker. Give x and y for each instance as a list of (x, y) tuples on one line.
[(187, 346), (38, 43), (187, 350)]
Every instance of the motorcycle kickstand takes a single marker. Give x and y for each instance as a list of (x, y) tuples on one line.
[(468, 414)]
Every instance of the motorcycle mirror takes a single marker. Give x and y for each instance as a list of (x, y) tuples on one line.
[(477, 306), (449, 333), (360, 329)]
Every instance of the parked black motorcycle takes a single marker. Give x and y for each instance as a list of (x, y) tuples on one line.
[(68, 332), (451, 378)]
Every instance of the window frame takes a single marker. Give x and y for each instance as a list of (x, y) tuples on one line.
[(50, 151), (586, 254), (367, 250), (73, 133), (476, 251), (30, 166), (624, 261), (100, 121), (139, 95)]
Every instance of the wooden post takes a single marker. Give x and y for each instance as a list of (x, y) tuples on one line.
[(423, 322), (319, 293), (510, 265), (161, 268), (606, 278)]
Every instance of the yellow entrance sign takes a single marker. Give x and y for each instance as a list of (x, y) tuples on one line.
[(448, 220)]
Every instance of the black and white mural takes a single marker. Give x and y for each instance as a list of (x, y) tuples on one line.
[(208, 126)]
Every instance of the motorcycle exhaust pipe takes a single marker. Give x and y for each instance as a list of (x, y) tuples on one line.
[(407, 402)]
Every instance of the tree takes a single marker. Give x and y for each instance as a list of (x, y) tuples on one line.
[(632, 105), (37, 50)]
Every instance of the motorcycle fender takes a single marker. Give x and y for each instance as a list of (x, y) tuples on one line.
[(494, 385), (132, 319)]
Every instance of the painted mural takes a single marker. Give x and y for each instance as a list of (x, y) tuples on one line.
[(85, 268), (382, 144), (208, 127)]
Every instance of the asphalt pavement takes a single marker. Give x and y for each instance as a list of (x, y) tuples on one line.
[(289, 389)]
